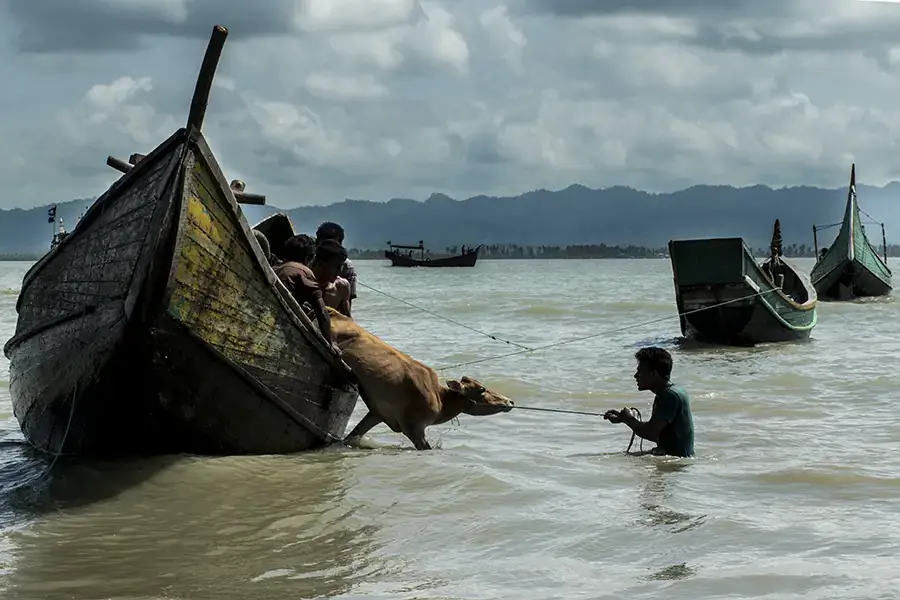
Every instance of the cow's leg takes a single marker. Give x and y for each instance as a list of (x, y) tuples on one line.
[(365, 424), (416, 434)]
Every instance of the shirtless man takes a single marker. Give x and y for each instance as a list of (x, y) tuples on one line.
[(307, 270), (337, 296)]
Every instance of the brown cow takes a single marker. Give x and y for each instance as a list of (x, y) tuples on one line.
[(402, 392)]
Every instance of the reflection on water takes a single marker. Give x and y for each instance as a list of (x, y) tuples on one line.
[(188, 527), (656, 492)]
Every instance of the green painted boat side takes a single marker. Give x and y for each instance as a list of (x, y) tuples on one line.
[(851, 266), (724, 295)]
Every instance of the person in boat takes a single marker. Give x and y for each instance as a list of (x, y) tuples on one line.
[(332, 231), (671, 424), (337, 296), (306, 270)]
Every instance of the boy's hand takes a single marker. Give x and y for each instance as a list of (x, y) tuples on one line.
[(613, 416)]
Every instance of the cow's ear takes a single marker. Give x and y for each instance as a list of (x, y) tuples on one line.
[(454, 385)]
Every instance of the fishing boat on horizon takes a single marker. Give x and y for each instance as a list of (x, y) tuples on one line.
[(157, 326), (850, 267), (725, 297), (467, 258)]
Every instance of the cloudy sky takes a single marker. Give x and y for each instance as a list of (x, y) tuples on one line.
[(321, 100)]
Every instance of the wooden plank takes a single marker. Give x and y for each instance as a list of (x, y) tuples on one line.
[(222, 291)]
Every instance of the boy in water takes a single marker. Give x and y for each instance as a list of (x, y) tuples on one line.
[(671, 425)]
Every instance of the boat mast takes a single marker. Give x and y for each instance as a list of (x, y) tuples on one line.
[(200, 100)]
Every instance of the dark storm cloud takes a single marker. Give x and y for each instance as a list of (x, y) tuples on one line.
[(693, 8), (766, 26), (46, 26)]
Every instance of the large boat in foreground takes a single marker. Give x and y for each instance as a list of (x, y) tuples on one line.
[(850, 267), (158, 326), (725, 297)]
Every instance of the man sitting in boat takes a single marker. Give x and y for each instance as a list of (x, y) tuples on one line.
[(337, 296), (306, 270), (671, 424), (332, 231)]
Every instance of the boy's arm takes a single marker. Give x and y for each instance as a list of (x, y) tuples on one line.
[(344, 305), (664, 410)]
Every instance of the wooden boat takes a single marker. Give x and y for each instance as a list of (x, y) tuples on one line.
[(157, 326), (465, 259), (725, 297), (850, 267)]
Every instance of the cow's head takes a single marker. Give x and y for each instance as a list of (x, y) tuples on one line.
[(481, 401)]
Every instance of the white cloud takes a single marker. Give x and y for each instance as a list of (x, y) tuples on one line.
[(504, 34), (335, 15), (341, 87), (399, 98)]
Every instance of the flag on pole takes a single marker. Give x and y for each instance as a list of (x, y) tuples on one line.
[(51, 214)]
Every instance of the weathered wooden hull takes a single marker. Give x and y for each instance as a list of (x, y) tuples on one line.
[(462, 260), (157, 326), (724, 297), (851, 267)]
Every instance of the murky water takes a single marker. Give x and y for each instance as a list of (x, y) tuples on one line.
[(793, 493)]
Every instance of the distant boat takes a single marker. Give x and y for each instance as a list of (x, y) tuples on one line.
[(850, 267), (398, 259), (157, 325), (772, 302)]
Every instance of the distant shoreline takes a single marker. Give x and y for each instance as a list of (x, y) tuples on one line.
[(514, 252)]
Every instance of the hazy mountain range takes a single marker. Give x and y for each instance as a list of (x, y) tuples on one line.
[(575, 215)]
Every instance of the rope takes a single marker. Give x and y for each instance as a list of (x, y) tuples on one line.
[(559, 410), (873, 221), (448, 319), (590, 414), (634, 433), (65, 437), (594, 335), (823, 227)]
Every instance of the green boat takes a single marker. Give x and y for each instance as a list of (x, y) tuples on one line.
[(725, 297), (850, 267)]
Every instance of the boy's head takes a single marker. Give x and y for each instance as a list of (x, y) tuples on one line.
[(654, 367), (330, 231), (330, 257), (299, 248)]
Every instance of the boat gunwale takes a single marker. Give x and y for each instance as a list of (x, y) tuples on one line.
[(113, 192), (136, 285), (291, 307), (812, 295), (761, 298)]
